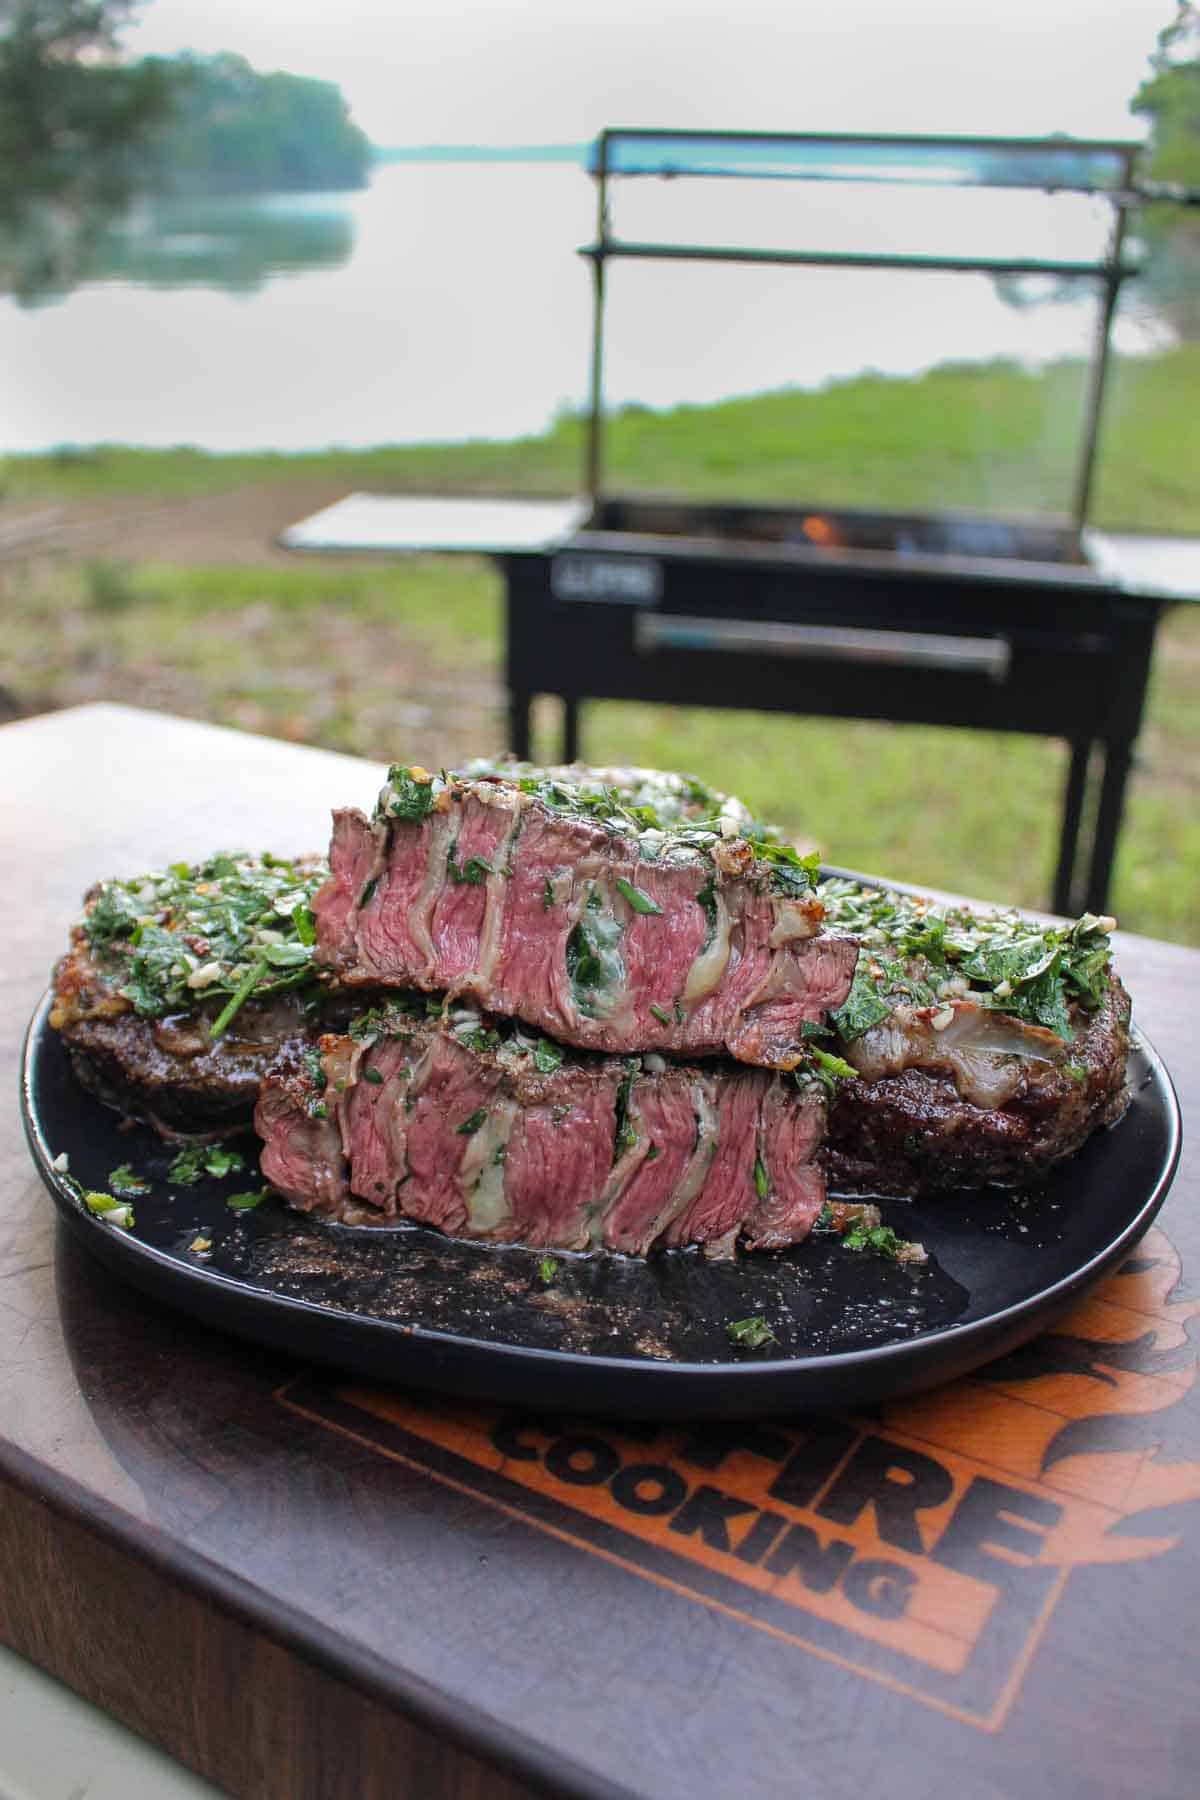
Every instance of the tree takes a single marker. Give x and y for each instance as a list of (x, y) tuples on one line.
[(73, 120), (235, 130), (1170, 100)]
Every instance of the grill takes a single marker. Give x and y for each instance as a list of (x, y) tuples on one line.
[(847, 616), (954, 619)]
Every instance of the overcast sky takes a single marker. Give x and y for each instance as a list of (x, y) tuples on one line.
[(557, 71)]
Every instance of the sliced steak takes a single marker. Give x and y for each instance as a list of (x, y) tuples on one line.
[(492, 1135), (577, 917)]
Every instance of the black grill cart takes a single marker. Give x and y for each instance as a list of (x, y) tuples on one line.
[(1034, 625)]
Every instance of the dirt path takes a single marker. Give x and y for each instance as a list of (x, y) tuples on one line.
[(241, 526)]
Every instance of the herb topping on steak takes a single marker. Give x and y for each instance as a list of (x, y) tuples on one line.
[(181, 987)]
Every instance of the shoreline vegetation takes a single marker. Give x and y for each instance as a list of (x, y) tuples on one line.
[(150, 577), (993, 437)]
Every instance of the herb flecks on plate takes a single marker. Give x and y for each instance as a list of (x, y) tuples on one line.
[(750, 1334)]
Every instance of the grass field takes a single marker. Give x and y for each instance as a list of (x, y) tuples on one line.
[(400, 660), (989, 435)]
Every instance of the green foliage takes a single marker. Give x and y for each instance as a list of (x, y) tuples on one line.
[(234, 130), (72, 122), (1170, 100), (985, 435), (81, 134), (109, 586)]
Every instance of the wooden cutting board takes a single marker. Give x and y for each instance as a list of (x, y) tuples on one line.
[(301, 1586)]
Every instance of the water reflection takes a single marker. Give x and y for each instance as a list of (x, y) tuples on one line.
[(233, 244)]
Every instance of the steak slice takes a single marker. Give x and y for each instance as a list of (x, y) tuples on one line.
[(487, 1133), (573, 914)]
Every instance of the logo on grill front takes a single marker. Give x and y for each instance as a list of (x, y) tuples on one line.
[(925, 1548), (627, 580)]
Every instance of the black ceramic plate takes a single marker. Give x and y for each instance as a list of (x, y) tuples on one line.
[(614, 1334)]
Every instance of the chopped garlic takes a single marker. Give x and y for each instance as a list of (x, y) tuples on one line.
[(941, 1020), (201, 977)]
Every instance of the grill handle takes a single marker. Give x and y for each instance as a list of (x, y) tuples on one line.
[(990, 656)]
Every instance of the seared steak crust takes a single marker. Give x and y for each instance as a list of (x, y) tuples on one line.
[(912, 1133)]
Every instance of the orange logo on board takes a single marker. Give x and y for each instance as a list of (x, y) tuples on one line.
[(925, 1548)]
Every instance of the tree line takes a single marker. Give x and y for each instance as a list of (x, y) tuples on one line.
[(82, 133), (232, 130)]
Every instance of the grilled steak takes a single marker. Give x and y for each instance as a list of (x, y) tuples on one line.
[(911, 1131), (180, 988), (583, 918), (619, 907), (985, 1047), (168, 1072), (489, 1133)]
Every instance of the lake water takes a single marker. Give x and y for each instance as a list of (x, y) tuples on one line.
[(446, 302)]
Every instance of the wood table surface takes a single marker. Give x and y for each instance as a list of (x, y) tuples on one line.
[(302, 1586)]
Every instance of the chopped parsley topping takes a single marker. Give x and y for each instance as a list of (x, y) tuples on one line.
[(625, 1136), (471, 1125), (762, 1181), (831, 1069), (409, 795), (188, 1167), (219, 930), (474, 872), (373, 1076), (880, 1238), (547, 1270), (791, 873), (750, 1334), (918, 953), (103, 1206), (546, 1056), (224, 1162), (199, 1160), (248, 1202), (636, 896), (656, 809), (127, 1183), (594, 964)]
